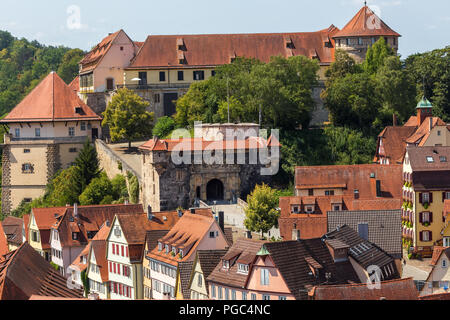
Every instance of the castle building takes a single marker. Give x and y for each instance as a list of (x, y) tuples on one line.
[(169, 183), (46, 130), (163, 67)]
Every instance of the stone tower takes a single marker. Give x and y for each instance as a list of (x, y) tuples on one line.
[(362, 31)]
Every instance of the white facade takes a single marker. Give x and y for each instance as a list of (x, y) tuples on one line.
[(96, 284)]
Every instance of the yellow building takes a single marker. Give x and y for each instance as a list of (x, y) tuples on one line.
[(46, 130), (426, 175)]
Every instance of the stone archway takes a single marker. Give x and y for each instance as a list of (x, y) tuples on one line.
[(215, 190)]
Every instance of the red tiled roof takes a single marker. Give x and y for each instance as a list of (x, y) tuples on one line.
[(366, 23), (91, 60), (50, 100), (355, 177), (437, 251), (24, 272), (13, 228), (393, 144), (421, 135), (186, 235), (26, 221), (46, 217), (218, 49), (436, 296), (3, 242), (75, 84), (412, 122), (400, 289), (195, 144)]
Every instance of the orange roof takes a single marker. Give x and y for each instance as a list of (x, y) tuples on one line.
[(3, 242), (91, 60), (185, 235), (366, 23), (437, 251), (412, 122), (75, 84), (392, 143), (51, 100), (399, 289), (218, 49), (423, 132), (26, 221), (46, 217), (196, 144)]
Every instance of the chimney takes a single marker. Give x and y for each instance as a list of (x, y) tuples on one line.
[(378, 188), (149, 212), (192, 210), (394, 120), (222, 221), (431, 123), (75, 210)]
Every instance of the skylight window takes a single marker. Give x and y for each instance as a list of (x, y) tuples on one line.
[(443, 158), (430, 159)]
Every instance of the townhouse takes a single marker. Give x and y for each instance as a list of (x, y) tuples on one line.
[(125, 250), (196, 230), (426, 186), (203, 264), (14, 229), (77, 226), (438, 280), (24, 273), (322, 189), (422, 130)]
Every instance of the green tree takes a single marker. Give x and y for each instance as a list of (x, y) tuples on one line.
[(134, 189), (163, 127), (262, 213), (127, 117), (87, 165), (119, 187), (97, 190), (69, 66), (63, 189), (376, 54)]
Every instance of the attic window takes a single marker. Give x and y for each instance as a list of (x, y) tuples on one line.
[(430, 159), (356, 194), (443, 158), (226, 264), (167, 248), (117, 232), (309, 208), (243, 268), (78, 110), (160, 246), (74, 235), (289, 43)]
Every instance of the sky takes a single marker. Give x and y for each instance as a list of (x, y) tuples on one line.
[(424, 25)]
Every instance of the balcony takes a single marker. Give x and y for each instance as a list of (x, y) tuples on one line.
[(154, 86)]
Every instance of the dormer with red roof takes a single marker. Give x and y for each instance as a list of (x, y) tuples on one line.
[(363, 30)]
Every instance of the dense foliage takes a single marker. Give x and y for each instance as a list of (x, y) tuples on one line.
[(23, 64), (163, 127)]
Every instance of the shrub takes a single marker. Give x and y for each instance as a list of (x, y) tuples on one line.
[(163, 127)]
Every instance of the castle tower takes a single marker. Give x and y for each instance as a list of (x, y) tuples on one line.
[(362, 31)]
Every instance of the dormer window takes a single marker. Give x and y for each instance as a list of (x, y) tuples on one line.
[(309, 208), (289, 43), (167, 248), (356, 194), (295, 209), (337, 207), (160, 246), (243, 268), (226, 264), (74, 235), (78, 110), (181, 254), (174, 250)]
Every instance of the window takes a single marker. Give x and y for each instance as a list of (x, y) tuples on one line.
[(180, 75), (162, 76), (199, 75), (83, 126), (233, 294), (373, 40), (243, 268), (360, 41), (253, 296), (227, 294), (200, 280), (213, 291), (27, 200), (244, 295), (37, 132), (425, 197), (439, 132), (329, 192), (281, 298), (117, 232), (443, 158), (157, 98), (27, 168), (142, 78), (347, 41), (337, 207), (444, 263), (264, 277), (17, 132), (72, 150), (266, 297), (74, 235), (310, 192), (26, 150), (430, 159), (71, 131), (226, 264), (213, 73), (159, 246), (34, 236), (295, 209), (426, 217), (212, 234), (426, 236), (109, 84), (356, 194), (443, 284), (219, 293), (309, 208), (167, 248)]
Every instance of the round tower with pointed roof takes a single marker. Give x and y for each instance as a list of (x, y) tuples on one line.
[(362, 31)]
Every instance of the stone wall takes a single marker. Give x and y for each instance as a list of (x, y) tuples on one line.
[(6, 180), (53, 161)]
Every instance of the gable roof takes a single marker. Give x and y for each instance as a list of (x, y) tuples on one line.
[(24, 272), (90, 219), (210, 50), (399, 289), (3, 242), (75, 84), (185, 269), (185, 235), (365, 252), (294, 260), (13, 229), (208, 260), (366, 23), (241, 248), (392, 142), (385, 228), (422, 133), (51, 100), (351, 177)]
